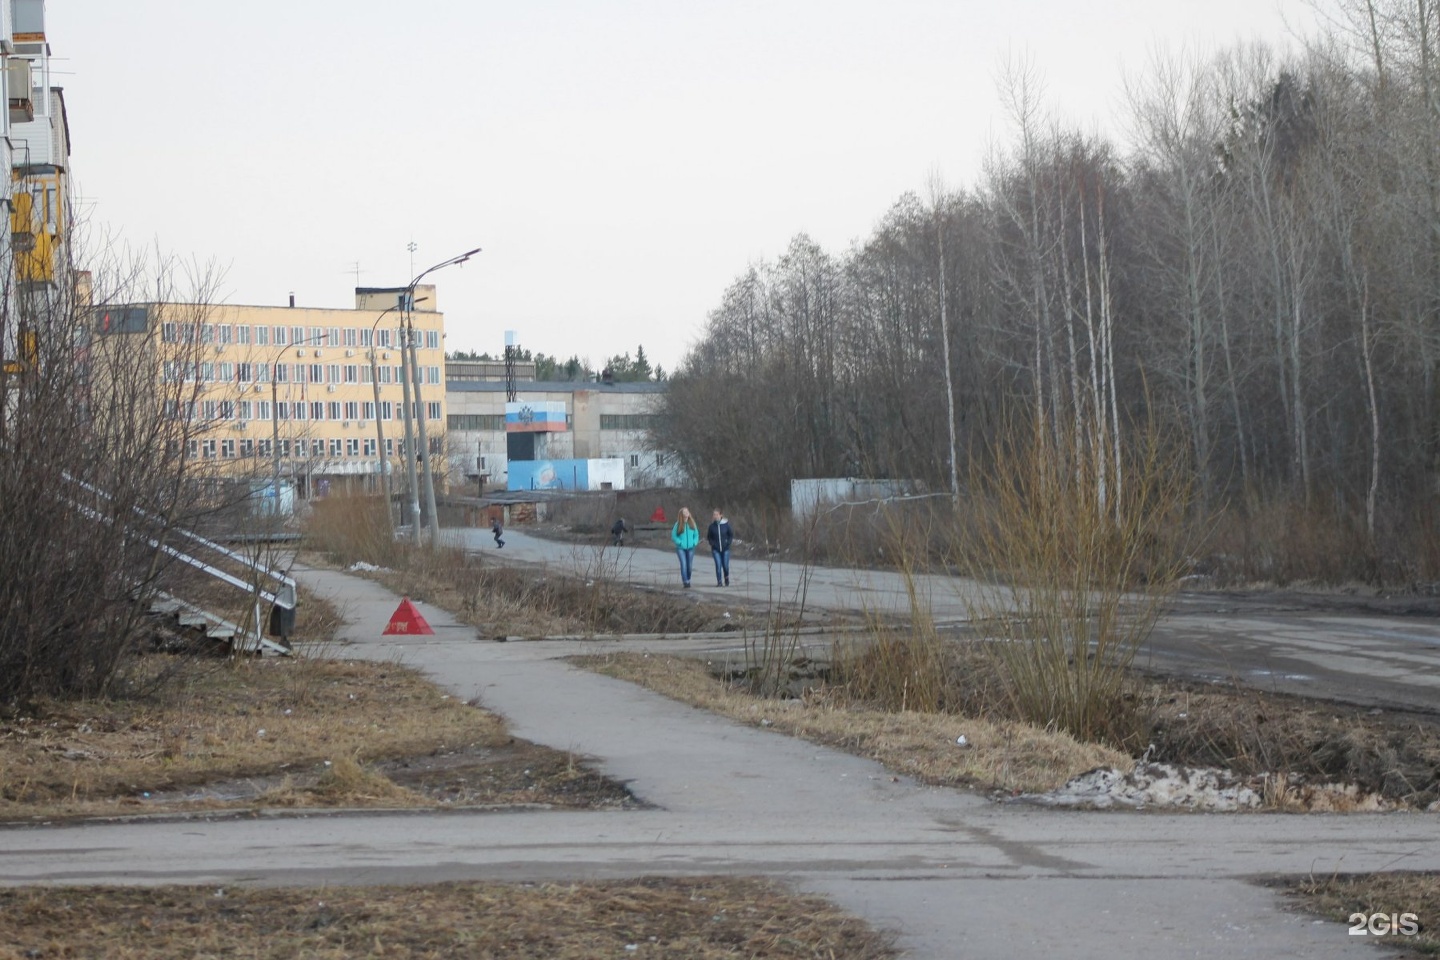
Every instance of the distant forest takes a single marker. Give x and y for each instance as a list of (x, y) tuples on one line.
[(1256, 269), (622, 367)]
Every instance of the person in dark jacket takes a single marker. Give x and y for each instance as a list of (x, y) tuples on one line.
[(720, 536), (617, 532), (499, 531)]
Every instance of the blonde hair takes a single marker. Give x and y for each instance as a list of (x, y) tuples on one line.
[(687, 518)]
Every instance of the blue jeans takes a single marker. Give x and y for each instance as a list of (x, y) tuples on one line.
[(722, 564), (687, 560)]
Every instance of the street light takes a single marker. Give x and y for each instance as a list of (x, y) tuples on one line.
[(275, 411), (419, 404), (381, 459)]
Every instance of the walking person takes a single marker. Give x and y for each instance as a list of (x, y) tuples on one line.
[(617, 532), (720, 536), (685, 535), (499, 532)]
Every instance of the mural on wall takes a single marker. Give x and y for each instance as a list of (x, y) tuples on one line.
[(549, 475)]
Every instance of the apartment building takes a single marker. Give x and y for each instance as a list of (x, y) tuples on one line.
[(324, 387), (34, 181)]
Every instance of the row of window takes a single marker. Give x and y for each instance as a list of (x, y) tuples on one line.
[(245, 335), (496, 421), (212, 410), (173, 371), (628, 421), (297, 449)]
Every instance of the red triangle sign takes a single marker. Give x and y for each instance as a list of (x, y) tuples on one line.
[(406, 620)]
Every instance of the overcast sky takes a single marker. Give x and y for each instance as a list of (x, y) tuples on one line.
[(619, 162)]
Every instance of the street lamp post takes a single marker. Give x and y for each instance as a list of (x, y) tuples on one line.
[(275, 412), (419, 403), (380, 459)]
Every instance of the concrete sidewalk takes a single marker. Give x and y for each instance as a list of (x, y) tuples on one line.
[(953, 874)]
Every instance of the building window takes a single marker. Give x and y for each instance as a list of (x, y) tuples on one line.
[(316, 337), (628, 421), (227, 372), (634, 459), (169, 333), (317, 410), (432, 339), (227, 409), (352, 373), (263, 411), (317, 373), (366, 376), (384, 337), (352, 447), (227, 449), (334, 410), (352, 410), (386, 409), (385, 373), (334, 447), (301, 449), (245, 409), (282, 372), (349, 336), (225, 333), (280, 336), (332, 373), (265, 448), (207, 449), (432, 410), (389, 446), (369, 411), (207, 372), (332, 336), (297, 336), (369, 448), (207, 333), (301, 411), (247, 448), (262, 335), (475, 421), (659, 459)]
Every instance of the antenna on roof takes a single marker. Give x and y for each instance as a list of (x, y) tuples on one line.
[(510, 356), (355, 269)]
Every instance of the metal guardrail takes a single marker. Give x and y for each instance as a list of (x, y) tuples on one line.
[(282, 597)]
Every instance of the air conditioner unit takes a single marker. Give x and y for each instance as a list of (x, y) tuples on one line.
[(258, 388), (219, 348), (349, 353), (345, 423), (385, 355), (242, 425), (318, 353), (330, 388), (299, 353)]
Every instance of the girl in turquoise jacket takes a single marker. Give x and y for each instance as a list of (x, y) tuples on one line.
[(685, 535)]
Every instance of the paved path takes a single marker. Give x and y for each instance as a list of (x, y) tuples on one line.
[(955, 875), (1371, 658)]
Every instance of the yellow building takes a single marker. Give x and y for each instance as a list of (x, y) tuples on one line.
[(323, 386)]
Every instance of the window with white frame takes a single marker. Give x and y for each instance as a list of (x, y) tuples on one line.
[(262, 336), (227, 449), (369, 448), (317, 410), (349, 335), (281, 336), (352, 447), (334, 446), (335, 410), (352, 410)]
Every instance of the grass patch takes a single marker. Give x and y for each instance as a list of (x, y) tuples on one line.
[(700, 919), (1001, 755), (1339, 897), (274, 732)]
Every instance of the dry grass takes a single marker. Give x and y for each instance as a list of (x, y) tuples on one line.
[(224, 721), (1002, 755), (699, 919), (1338, 897)]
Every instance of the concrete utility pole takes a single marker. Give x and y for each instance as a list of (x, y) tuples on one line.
[(409, 303), (381, 460)]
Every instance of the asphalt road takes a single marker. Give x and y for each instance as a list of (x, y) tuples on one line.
[(1374, 653), (952, 874)]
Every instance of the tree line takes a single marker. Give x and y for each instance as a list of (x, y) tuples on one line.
[(1255, 268), (621, 367)]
